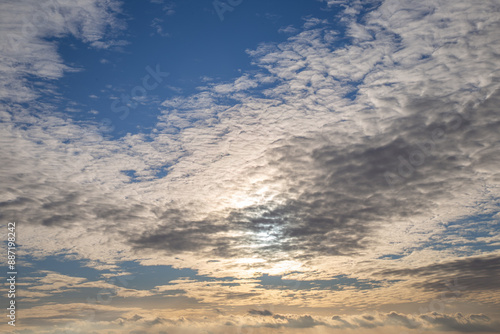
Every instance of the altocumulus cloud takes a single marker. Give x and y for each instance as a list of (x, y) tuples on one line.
[(425, 121), (394, 130), (25, 27), (352, 140)]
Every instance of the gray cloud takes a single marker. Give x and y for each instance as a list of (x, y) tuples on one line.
[(400, 319), (260, 312), (470, 274), (341, 194), (431, 321), (458, 322), (305, 321)]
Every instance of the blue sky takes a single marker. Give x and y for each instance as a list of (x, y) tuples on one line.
[(253, 167), (193, 46)]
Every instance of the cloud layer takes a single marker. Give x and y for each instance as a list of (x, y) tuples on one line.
[(335, 156)]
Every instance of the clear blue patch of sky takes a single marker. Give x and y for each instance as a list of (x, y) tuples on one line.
[(131, 174), (58, 264), (470, 228), (147, 277), (140, 277)]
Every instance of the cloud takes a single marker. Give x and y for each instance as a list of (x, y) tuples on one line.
[(288, 30), (470, 274), (305, 321), (157, 25), (432, 321), (458, 322), (341, 193), (345, 177), (355, 141), (260, 312), (402, 320), (24, 32)]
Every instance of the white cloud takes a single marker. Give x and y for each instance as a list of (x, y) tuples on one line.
[(288, 30), (24, 29)]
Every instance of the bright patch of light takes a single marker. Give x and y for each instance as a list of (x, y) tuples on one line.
[(249, 260)]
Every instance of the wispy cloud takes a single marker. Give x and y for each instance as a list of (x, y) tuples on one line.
[(26, 29)]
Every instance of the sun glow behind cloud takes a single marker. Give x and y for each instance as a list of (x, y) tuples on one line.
[(241, 200)]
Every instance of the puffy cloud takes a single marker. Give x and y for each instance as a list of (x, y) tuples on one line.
[(432, 321), (474, 323)]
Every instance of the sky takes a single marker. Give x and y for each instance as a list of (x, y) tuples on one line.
[(251, 167)]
